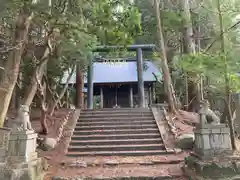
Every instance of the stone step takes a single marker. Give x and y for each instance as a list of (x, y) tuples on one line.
[(116, 141), (128, 172), (118, 153), (115, 127), (116, 110), (117, 123), (121, 131), (163, 177), (115, 136), (117, 114), (128, 118), (122, 147)]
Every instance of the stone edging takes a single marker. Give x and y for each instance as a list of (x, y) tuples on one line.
[(119, 178), (165, 127), (70, 126), (63, 125), (161, 123)]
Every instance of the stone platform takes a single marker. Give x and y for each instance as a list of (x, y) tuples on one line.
[(18, 157), (213, 156), (25, 171), (221, 167), (212, 140)]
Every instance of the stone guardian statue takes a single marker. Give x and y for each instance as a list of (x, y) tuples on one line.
[(207, 116), (23, 119)]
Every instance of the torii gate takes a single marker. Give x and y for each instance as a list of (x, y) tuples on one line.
[(139, 54)]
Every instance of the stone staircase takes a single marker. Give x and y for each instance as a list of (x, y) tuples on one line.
[(116, 132)]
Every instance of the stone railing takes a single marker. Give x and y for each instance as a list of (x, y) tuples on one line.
[(164, 127), (212, 140)]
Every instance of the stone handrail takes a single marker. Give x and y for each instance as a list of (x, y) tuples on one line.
[(163, 127)]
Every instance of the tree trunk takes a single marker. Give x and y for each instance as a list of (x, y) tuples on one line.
[(39, 70), (198, 42), (62, 92), (165, 69), (13, 102), (44, 107), (32, 88), (227, 109), (189, 48), (43, 122), (10, 76), (187, 25), (79, 87), (186, 93)]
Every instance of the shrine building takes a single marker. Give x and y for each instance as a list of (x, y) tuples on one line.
[(126, 83), (116, 83)]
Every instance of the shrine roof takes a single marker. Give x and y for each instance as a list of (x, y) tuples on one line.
[(118, 72)]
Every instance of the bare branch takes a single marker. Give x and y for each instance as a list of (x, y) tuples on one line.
[(219, 36)]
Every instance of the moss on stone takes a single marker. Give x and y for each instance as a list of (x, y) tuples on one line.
[(211, 169)]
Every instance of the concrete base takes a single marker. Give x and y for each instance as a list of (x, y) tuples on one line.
[(216, 168), (4, 138), (27, 171), (22, 146), (212, 140)]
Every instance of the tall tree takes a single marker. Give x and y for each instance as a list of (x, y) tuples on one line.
[(11, 70), (193, 87), (166, 74), (227, 110), (60, 33)]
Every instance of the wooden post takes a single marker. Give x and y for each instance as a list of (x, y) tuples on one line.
[(150, 94), (85, 101), (101, 97), (90, 85), (116, 96), (153, 93), (140, 78), (131, 96)]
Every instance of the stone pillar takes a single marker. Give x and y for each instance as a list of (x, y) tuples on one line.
[(212, 140), (101, 97), (90, 85), (140, 78), (131, 96)]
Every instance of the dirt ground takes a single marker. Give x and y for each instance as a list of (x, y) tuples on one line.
[(112, 166), (115, 166), (109, 166)]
